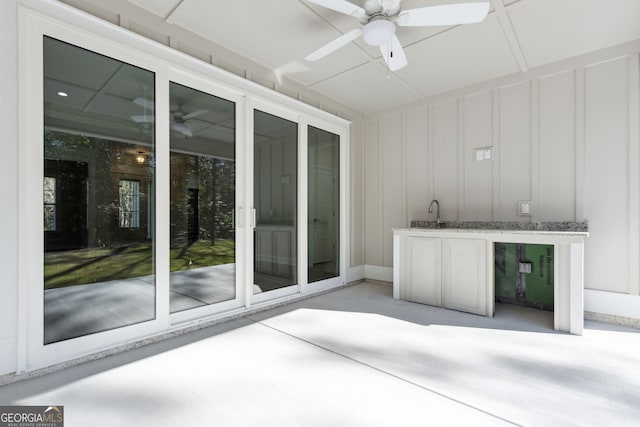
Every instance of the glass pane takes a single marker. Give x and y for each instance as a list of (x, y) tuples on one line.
[(98, 193), (324, 204), (203, 188), (275, 201)]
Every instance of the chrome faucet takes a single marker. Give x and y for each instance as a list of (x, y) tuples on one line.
[(438, 221)]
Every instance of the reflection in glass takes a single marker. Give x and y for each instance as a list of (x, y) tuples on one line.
[(202, 198), (98, 211), (49, 200), (275, 201), (324, 204)]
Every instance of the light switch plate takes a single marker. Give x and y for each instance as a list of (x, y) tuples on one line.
[(525, 207), (484, 153)]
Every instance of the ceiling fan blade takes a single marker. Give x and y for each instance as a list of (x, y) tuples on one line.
[(334, 45), (144, 103), (449, 14), (143, 119), (341, 6), (182, 128), (393, 54), (194, 114)]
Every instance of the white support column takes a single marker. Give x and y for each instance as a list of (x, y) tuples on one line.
[(576, 288), (569, 287)]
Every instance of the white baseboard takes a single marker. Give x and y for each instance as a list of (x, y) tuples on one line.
[(355, 273), (612, 303), (375, 272)]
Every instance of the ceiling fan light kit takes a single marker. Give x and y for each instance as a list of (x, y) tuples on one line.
[(380, 18), (378, 32)]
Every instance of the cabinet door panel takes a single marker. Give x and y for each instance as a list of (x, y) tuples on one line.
[(264, 258), (282, 258), (464, 263), (424, 274)]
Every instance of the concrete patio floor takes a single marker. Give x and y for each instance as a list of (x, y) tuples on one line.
[(75, 311), (355, 356)]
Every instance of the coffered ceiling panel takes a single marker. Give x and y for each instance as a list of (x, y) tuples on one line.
[(459, 57), (276, 33), (550, 30), (366, 88)]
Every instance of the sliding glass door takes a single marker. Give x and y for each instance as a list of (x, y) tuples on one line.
[(275, 201), (98, 192), (323, 211), (202, 198), (102, 265), (154, 196)]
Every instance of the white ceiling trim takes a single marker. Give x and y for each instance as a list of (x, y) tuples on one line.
[(168, 17), (510, 34)]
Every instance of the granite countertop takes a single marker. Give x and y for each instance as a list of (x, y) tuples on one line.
[(561, 227)]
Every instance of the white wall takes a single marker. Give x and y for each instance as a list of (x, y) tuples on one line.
[(564, 136), (8, 187)]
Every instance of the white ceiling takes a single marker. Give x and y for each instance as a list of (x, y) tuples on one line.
[(516, 36)]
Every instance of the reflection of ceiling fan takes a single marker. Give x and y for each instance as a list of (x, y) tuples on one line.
[(379, 19), (178, 117)]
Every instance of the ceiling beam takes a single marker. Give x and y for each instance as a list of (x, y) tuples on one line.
[(510, 34)]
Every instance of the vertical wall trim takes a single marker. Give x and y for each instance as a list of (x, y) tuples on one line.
[(379, 181), (634, 173), (536, 193), (461, 160), (363, 193), (495, 157), (123, 21), (431, 153), (403, 166), (580, 142)]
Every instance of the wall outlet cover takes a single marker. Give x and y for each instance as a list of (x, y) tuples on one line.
[(525, 207)]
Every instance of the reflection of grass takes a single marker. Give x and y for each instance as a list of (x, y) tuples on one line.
[(82, 266)]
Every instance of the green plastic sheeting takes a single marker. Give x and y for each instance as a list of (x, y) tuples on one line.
[(533, 289)]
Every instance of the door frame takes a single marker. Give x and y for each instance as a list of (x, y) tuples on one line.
[(201, 83)]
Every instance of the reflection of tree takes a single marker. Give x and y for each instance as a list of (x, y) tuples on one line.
[(226, 184), (214, 180)]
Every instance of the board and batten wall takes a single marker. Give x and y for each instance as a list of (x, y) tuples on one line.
[(565, 136)]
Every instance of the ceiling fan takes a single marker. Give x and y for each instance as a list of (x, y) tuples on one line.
[(380, 17), (178, 118)]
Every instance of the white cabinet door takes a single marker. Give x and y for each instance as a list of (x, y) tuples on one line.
[(464, 275), (423, 274), (282, 253), (264, 252)]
